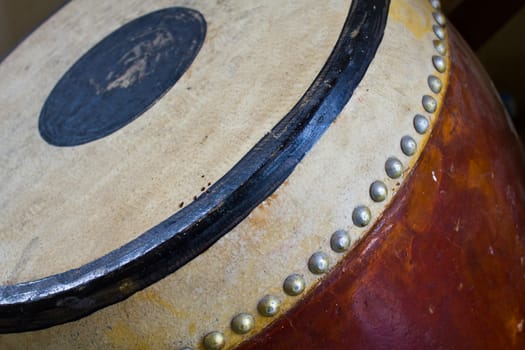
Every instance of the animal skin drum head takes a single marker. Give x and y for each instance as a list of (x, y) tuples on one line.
[(181, 173)]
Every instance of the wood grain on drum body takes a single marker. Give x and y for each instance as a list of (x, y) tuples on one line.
[(444, 267)]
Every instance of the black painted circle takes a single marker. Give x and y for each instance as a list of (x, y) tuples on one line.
[(122, 76)]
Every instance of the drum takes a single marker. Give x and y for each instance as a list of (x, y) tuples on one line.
[(257, 175)]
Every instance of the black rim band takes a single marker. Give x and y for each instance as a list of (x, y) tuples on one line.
[(180, 238)]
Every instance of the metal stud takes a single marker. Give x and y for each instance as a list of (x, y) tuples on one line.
[(318, 263), (185, 348), (408, 145), (361, 216), (393, 167), (294, 285), (340, 241), (435, 84), (439, 31), (214, 341), (440, 46), (242, 323), (440, 18), (435, 4), (429, 103), (421, 124), (378, 191), (269, 306), (439, 63)]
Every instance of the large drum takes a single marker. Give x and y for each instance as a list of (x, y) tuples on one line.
[(181, 174)]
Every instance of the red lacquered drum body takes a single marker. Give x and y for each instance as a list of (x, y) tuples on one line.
[(444, 268)]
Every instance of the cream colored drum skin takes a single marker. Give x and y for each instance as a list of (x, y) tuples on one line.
[(118, 187), (65, 206)]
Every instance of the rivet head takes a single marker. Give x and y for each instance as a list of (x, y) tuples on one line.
[(408, 145), (435, 84), (439, 31), (439, 63), (318, 263), (421, 124), (393, 167), (378, 191), (269, 306), (435, 4), (242, 323), (340, 241), (214, 341), (440, 47), (294, 284), (185, 348), (361, 216), (429, 103), (439, 17)]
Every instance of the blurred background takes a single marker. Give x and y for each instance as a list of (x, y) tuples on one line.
[(495, 31)]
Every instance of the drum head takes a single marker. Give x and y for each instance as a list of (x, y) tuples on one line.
[(192, 155)]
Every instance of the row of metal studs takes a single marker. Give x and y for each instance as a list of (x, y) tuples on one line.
[(340, 240), (361, 215)]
